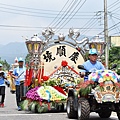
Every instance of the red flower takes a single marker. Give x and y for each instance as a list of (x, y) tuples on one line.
[(64, 63), (101, 84), (45, 78), (91, 82)]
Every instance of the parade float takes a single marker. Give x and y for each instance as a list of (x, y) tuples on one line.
[(100, 92), (52, 70)]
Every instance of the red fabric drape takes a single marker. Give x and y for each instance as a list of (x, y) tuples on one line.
[(27, 76), (30, 75), (40, 73)]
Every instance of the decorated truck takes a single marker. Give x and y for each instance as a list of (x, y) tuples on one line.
[(100, 93), (52, 70)]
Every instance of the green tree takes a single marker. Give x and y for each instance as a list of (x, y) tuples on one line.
[(114, 57), (6, 66)]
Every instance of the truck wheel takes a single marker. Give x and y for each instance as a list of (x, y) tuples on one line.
[(83, 109), (118, 115), (105, 114), (60, 107), (118, 110), (70, 108)]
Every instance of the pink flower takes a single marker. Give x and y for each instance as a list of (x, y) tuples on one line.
[(101, 84)]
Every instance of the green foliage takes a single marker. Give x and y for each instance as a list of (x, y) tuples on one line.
[(52, 82), (85, 91), (6, 66), (114, 57), (27, 59)]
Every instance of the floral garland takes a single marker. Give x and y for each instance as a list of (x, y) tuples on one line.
[(97, 79), (85, 87), (104, 75)]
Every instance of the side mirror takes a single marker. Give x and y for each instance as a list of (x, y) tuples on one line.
[(113, 66), (81, 67)]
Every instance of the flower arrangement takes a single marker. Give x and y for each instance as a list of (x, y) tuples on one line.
[(104, 75), (85, 87), (39, 98), (97, 79), (51, 93), (51, 82), (52, 89)]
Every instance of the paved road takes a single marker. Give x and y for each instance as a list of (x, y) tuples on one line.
[(9, 112)]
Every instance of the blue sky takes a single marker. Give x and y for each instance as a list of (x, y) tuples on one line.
[(25, 17)]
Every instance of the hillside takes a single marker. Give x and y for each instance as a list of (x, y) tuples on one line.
[(12, 50)]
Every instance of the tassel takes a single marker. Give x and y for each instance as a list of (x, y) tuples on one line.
[(27, 76), (30, 76), (40, 73)]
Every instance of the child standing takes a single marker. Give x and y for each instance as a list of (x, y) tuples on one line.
[(2, 86)]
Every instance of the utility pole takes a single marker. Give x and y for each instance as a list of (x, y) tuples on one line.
[(106, 34)]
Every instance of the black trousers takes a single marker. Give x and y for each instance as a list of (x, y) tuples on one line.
[(20, 93), (2, 93)]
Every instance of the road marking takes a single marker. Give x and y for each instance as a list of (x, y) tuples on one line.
[(113, 116), (32, 114)]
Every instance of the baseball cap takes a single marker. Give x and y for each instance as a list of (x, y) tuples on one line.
[(93, 51), (20, 59), (1, 65)]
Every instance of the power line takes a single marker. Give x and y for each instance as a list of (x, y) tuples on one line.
[(29, 27), (113, 4), (66, 22), (41, 15), (110, 6), (59, 13), (69, 8)]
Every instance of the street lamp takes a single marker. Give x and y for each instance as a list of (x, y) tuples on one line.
[(35, 47)]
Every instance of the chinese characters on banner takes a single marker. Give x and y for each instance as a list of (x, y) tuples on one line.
[(60, 51)]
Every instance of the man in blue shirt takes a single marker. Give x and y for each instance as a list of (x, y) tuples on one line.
[(19, 76), (2, 85), (93, 64)]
